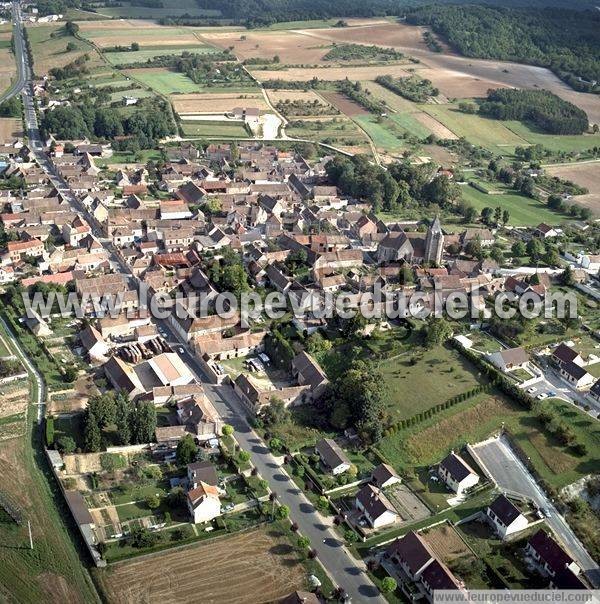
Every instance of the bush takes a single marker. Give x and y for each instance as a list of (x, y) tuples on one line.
[(49, 431), (227, 430), (66, 445), (388, 585)]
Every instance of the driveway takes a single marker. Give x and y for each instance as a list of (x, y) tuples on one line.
[(511, 475)]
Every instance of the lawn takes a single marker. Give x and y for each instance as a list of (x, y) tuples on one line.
[(524, 211), (381, 134), (164, 81), (214, 128), (131, 511), (437, 375), (142, 56)]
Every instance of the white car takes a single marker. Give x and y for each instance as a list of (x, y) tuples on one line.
[(181, 350), (531, 390), (542, 396)]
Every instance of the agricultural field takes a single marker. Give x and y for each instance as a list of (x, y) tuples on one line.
[(147, 54), (214, 129), (292, 48), (263, 563), (219, 102), (8, 68), (49, 52), (163, 80), (585, 175), (53, 572), (338, 131), (169, 8), (106, 34), (302, 96), (565, 142), (301, 74), (524, 211), (10, 128)]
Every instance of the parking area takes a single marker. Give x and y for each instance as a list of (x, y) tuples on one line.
[(408, 505)]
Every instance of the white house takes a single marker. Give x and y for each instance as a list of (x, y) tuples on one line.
[(375, 507), (549, 556), (509, 360), (576, 376), (457, 473), (505, 517), (384, 476), (94, 343), (203, 502), (332, 457)]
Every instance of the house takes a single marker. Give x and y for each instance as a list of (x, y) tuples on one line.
[(565, 354), (375, 507), (37, 324), (94, 344), (457, 473), (505, 517), (308, 372), (203, 502), (419, 572), (576, 376), (200, 418), (300, 597), (509, 359), (545, 231), (384, 476), (332, 457), (594, 392), (549, 556), (17, 250), (202, 471)]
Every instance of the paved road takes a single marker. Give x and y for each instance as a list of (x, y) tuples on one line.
[(17, 86), (510, 474), (343, 569)]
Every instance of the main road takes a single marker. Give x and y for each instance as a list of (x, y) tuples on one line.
[(343, 569)]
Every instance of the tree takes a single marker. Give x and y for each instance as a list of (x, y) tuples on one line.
[(535, 249), (71, 46), (303, 543), (244, 456), (123, 418), (144, 422), (497, 214), (92, 436), (141, 538), (388, 585), (486, 215), (186, 450), (505, 217), (66, 445), (282, 512), (567, 278), (474, 248), (227, 430), (518, 249), (437, 331), (135, 46), (153, 502), (70, 373)]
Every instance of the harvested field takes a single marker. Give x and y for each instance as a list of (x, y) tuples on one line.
[(14, 400), (393, 101), (586, 175), (292, 48), (344, 104), (300, 74), (251, 567), (216, 103), (8, 68), (382, 33), (446, 543), (10, 128), (122, 33), (455, 84), (305, 96), (432, 124)]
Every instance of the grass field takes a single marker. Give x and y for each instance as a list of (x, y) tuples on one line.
[(142, 56), (264, 565), (437, 375), (524, 211), (491, 134), (214, 129), (476, 419), (579, 142), (384, 135), (163, 80)]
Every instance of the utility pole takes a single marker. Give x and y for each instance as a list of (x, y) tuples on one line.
[(30, 536)]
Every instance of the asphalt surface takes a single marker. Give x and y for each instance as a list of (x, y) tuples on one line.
[(510, 474), (18, 85), (343, 569)]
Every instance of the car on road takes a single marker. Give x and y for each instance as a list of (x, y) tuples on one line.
[(531, 390), (551, 393), (181, 350)]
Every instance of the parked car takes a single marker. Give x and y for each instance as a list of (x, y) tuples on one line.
[(531, 390), (542, 396)]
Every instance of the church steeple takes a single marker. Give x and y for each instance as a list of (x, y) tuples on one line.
[(434, 242)]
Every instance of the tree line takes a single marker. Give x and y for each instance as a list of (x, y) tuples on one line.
[(541, 107)]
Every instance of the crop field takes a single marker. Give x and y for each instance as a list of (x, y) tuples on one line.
[(338, 131), (554, 142), (300, 74), (586, 175), (8, 68), (304, 96), (14, 398), (344, 104), (53, 571), (214, 128), (392, 100), (10, 128), (163, 80), (122, 33), (263, 564), (524, 211), (491, 134), (292, 48), (142, 56), (385, 136), (216, 103), (49, 52), (433, 125)]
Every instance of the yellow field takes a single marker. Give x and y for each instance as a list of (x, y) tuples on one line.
[(305, 96), (585, 175), (216, 103), (300, 74), (8, 68)]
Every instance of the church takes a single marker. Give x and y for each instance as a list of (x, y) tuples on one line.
[(412, 247)]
